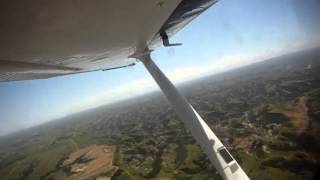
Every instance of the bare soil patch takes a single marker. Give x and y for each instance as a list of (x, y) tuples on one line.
[(90, 162)]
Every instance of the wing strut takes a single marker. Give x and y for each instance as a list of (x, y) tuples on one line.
[(219, 156)]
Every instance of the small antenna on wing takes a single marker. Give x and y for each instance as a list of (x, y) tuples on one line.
[(165, 40)]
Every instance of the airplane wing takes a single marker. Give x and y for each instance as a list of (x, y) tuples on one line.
[(43, 39)]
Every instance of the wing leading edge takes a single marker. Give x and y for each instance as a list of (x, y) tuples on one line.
[(43, 40)]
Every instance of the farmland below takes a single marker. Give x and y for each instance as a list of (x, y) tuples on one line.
[(267, 115)]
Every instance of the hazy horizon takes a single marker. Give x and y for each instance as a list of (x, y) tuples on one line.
[(152, 92)]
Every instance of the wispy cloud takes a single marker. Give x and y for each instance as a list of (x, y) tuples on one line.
[(179, 75)]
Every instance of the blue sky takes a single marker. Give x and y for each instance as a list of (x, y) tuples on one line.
[(232, 33)]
